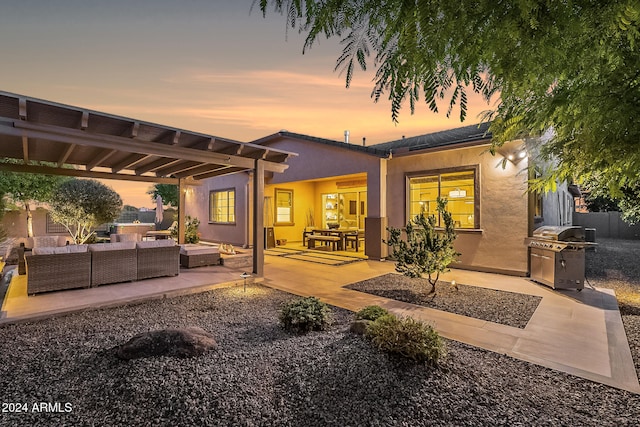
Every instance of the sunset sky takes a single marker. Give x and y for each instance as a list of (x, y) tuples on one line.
[(202, 65)]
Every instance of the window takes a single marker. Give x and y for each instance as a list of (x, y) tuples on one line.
[(222, 206), (458, 186), (284, 207)]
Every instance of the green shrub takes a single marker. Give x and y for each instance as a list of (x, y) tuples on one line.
[(406, 337), (371, 312), (306, 314)]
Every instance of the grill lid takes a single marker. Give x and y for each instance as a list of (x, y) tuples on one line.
[(560, 233)]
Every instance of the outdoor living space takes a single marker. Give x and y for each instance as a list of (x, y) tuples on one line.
[(578, 335), (322, 214)]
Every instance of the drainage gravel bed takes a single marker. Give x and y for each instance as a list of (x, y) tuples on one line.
[(507, 308), (262, 375)]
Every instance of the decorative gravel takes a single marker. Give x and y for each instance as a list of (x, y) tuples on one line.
[(261, 375), (507, 308)]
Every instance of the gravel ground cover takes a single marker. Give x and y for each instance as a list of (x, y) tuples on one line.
[(507, 308), (263, 375), (615, 264)]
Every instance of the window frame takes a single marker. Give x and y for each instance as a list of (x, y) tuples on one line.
[(212, 198), (275, 206), (475, 169)]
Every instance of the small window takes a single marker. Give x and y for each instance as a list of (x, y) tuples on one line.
[(284, 207), (459, 187), (222, 206)]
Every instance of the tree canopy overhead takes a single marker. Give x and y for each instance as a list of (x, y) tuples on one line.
[(573, 66)]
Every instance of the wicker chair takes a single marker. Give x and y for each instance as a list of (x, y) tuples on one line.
[(113, 263), (57, 271), (158, 258)]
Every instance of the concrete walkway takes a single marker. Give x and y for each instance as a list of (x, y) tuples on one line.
[(580, 333)]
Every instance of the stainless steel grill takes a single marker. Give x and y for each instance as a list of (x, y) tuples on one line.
[(557, 256)]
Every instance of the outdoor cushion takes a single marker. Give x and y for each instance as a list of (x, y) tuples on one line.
[(73, 249), (100, 247), (155, 243), (50, 250), (190, 249), (48, 241)]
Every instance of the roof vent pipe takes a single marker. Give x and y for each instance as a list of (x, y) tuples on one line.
[(346, 136)]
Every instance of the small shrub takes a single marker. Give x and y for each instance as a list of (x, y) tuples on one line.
[(406, 337), (307, 314), (371, 312)]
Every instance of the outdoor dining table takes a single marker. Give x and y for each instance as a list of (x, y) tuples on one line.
[(340, 233)]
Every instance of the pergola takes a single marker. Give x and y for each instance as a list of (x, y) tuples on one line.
[(78, 142)]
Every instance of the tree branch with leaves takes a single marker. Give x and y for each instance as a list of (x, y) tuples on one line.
[(80, 205), (426, 250), (570, 66)]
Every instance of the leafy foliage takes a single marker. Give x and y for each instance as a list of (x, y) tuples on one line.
[(81, 204), (168, 192), (22, 189), (371, 312), (306, 314), (406, 337), (570, 66), (426, 250), (191, 234)]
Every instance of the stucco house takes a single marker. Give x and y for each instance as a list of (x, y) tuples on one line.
[(334, 183)]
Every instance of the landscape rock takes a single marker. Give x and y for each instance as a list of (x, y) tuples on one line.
[(187, 342)]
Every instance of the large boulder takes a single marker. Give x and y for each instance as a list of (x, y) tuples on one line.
[(186, 342)]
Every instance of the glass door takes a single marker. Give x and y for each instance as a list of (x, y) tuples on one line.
[(352, 209)]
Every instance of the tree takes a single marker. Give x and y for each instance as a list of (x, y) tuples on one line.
[(23, 189), (81, 204), (570, 66), (168, 192), (426, 250)]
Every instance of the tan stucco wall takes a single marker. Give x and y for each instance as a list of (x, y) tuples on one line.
[(15, 222), (499, 244), (197, 204)]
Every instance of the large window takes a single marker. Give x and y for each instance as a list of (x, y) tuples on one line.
[(284, 207), (222, 206), (458, 186)]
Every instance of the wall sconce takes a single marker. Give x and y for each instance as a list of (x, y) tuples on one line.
[(517, 156)]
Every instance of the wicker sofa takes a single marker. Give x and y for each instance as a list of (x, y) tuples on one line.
[(58, 268), (157, 258), (84, 266), (113, 263), (27, 244)]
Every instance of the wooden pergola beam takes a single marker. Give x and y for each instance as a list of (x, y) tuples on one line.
[(48, 170)]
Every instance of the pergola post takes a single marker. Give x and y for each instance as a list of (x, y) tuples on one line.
[(182, 194), (258, 218)]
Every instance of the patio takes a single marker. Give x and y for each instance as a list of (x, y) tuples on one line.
[(580, 333)]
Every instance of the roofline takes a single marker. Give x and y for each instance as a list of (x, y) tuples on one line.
[(134, 120), (370, 150), (409, 151)]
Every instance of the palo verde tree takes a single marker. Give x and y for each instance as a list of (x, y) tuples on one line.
[(426, 250), (82, 204), (570, 66), (25, 189)]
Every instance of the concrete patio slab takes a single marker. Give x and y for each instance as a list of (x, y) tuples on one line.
[(18, 306)]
